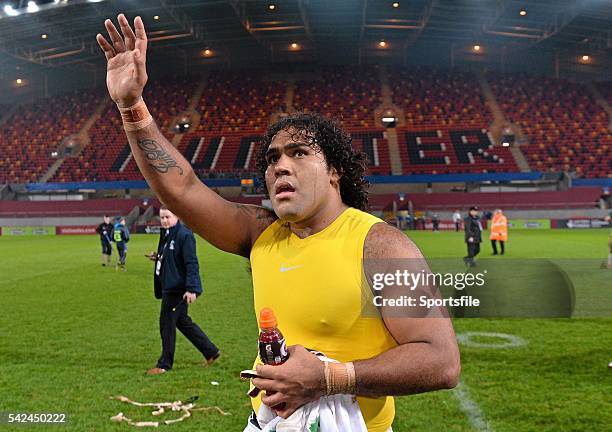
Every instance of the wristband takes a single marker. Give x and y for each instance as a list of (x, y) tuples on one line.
[(136, 117), (339, 378)]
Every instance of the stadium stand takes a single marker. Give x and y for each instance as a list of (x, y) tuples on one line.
[(444, 126), (436, 99), (350, 95), (235, 108), (373, 142), (444, 150), (567, 129), (240, 101), (33, 131), (446, 121), (106, 157)]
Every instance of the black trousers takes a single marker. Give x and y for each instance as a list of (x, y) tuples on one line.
[(107, 248), (170, 320), (457, 226), (494, 246), (473, 249)]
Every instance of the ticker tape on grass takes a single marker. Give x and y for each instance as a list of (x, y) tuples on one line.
[(187, 408)]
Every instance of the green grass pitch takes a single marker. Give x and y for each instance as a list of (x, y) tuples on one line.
[(74, 333)]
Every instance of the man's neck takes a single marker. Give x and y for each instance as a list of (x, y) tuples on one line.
[(317, 222)]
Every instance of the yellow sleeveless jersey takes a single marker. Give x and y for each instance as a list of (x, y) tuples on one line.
[(314, 285)]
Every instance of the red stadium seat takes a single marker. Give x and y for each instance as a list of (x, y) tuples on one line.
[(565, 126), (445, 123)]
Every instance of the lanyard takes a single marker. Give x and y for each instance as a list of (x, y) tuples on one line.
[(160, 256)]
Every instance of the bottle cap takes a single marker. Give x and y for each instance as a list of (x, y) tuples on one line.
[(267, 319)]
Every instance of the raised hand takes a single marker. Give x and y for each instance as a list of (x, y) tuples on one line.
[(126, 73)]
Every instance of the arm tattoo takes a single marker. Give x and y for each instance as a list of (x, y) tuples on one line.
[(158, 158)]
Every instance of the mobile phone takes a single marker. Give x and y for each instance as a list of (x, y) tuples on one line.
[(253, 392), (248, 374)]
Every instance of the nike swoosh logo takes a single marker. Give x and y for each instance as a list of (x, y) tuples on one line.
[(286, 269)]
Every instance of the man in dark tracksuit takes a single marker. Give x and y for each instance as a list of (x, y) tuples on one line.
[(121, 236), (105, 230), (473, 238), (177, 284)]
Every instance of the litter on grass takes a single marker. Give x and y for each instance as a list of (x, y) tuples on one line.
[(186, 408)]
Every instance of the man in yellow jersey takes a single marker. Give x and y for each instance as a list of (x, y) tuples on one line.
[(307, 255)]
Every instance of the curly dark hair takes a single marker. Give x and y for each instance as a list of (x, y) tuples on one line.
[(337, 148)]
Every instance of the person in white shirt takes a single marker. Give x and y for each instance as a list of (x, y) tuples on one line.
[(457, 220)]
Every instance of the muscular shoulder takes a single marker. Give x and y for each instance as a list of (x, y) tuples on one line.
[(385, 241)]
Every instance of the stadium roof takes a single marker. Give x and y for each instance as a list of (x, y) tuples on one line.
[(62, 33)]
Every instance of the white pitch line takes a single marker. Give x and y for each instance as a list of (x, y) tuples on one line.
[(471, 409), (508, 340)]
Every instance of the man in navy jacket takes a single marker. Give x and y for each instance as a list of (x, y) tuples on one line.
[(105, 230), (177, 284)]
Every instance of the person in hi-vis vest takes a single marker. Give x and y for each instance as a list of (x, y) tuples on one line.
[(499, 231)]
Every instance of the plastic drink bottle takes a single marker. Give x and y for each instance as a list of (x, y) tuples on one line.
[(272, 347)]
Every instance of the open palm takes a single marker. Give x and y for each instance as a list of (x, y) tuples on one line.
[(126, 73)]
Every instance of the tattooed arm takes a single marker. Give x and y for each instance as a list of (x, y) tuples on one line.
[(228, 226)]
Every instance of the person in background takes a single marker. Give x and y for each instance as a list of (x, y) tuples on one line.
[(499, 231), (487, 215), (605, 199), (473, 237), (104, 230), (177, 283), (435, 222), (609, 220), (409, 221), (420, 221), (457, 220), (121, 236)]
